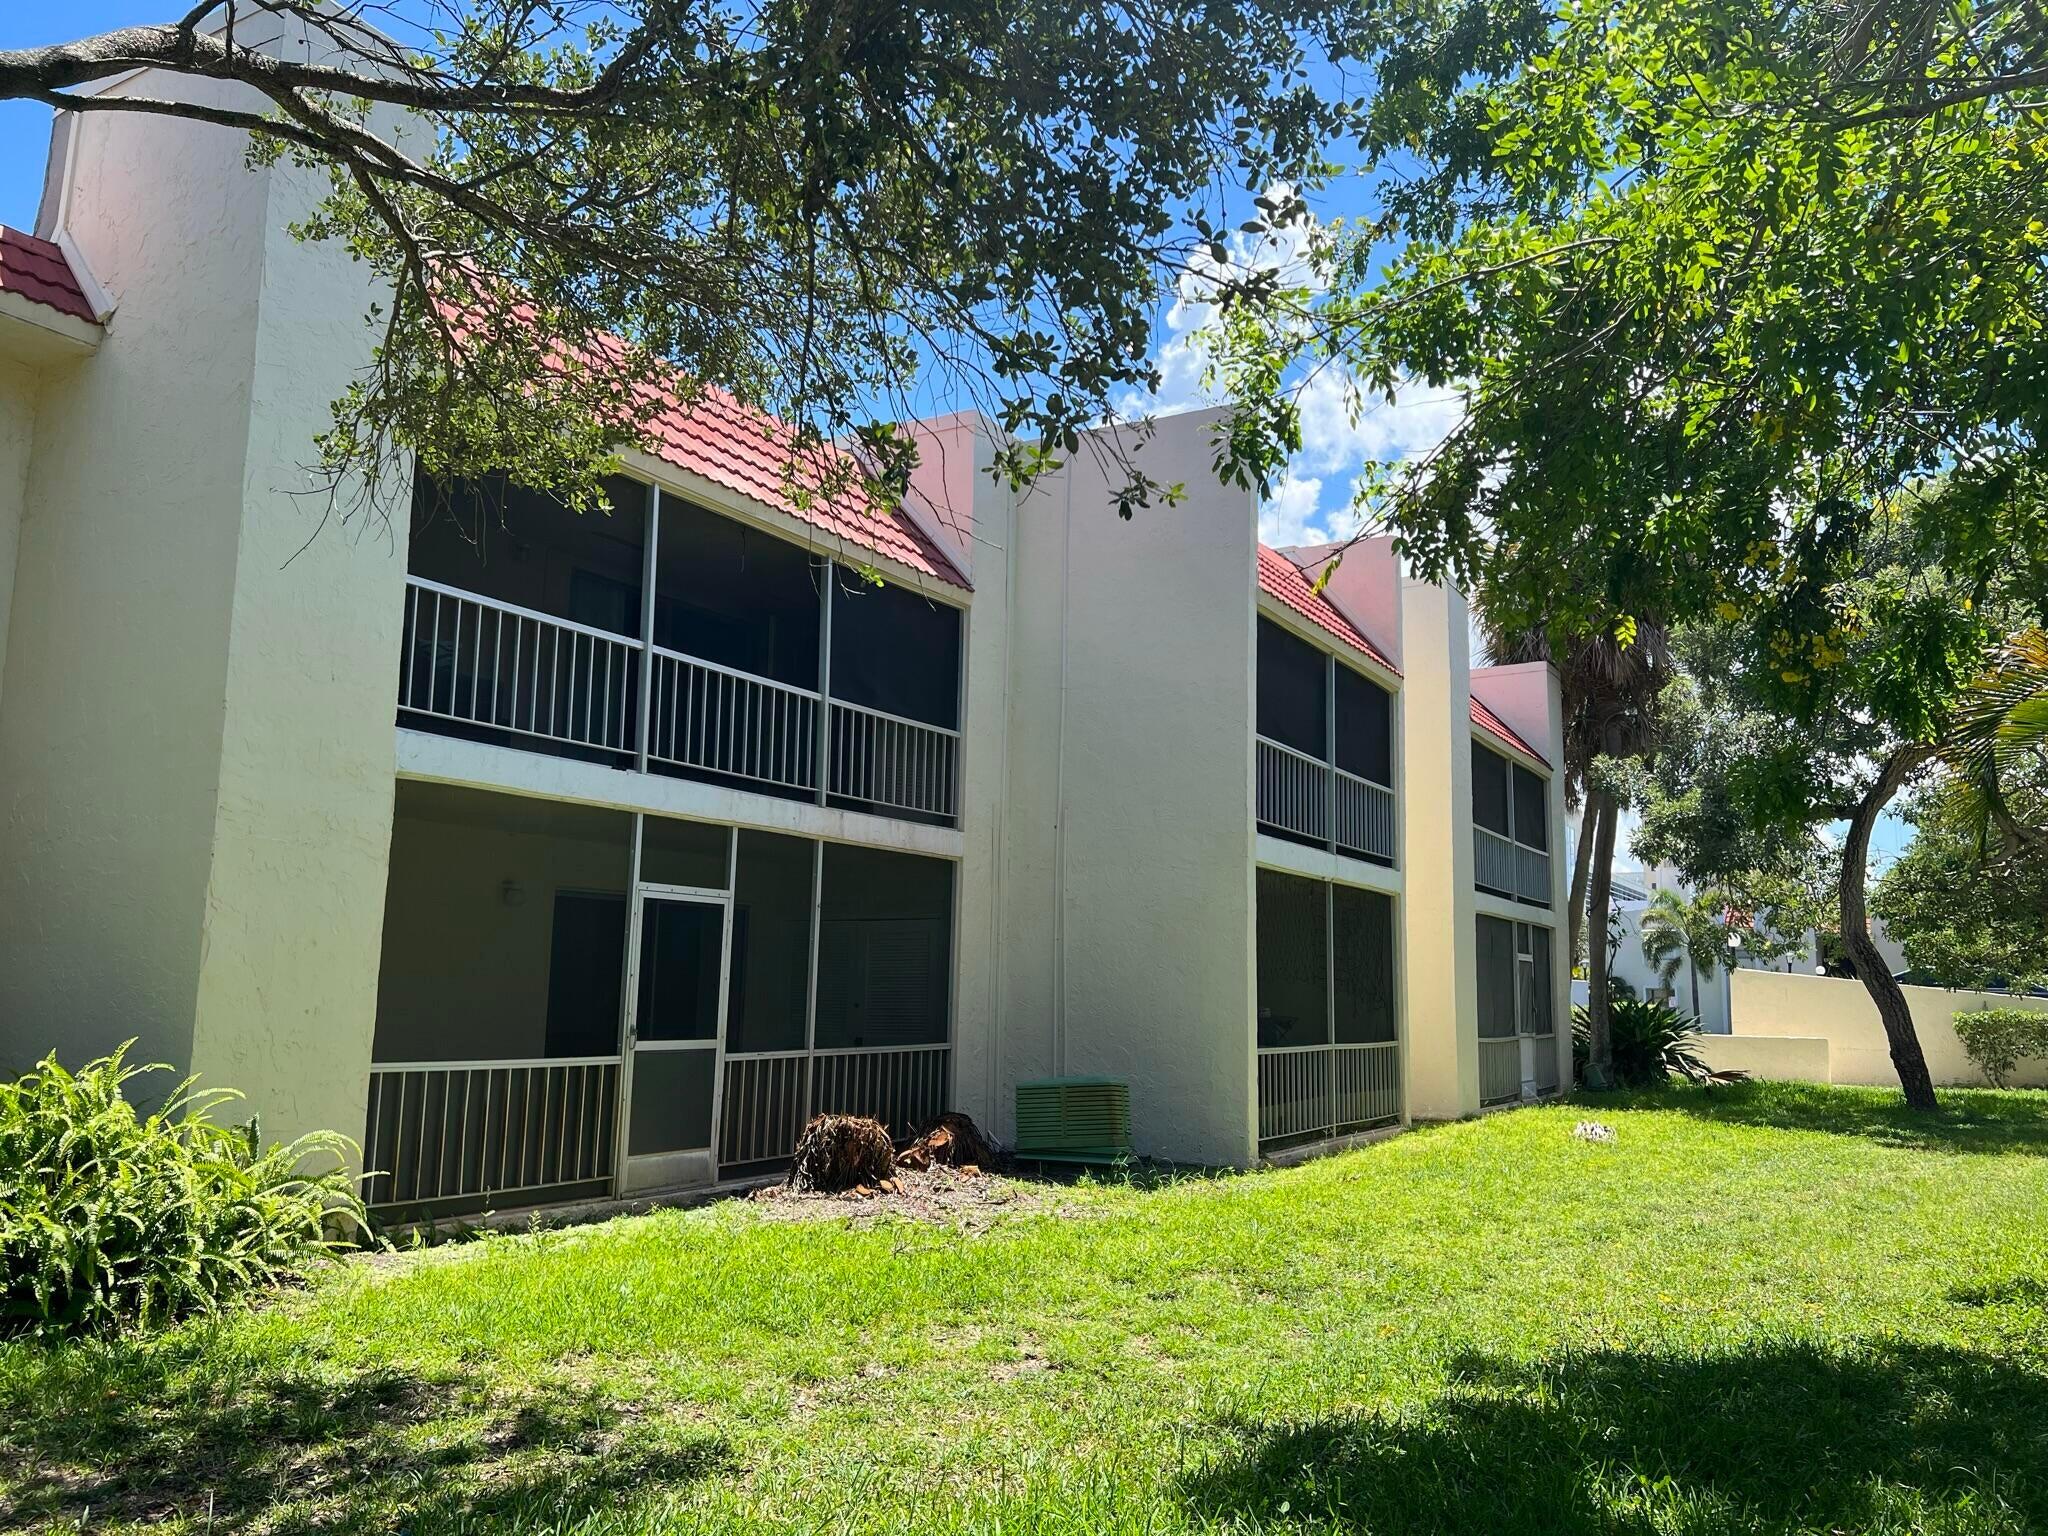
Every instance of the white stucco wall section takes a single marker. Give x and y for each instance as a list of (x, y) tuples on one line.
[(1130, 847), (287, 997), (118, 639), (1439, 957), (198, 740), (18, 390)]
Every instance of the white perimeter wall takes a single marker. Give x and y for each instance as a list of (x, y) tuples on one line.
[(1838, 1028), (1128, 890)]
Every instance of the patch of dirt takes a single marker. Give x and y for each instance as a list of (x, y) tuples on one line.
[(966, 1198)]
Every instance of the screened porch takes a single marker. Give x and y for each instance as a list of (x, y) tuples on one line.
[(1328, 1046), (1324, 753), (577, 1002), (757, 664)]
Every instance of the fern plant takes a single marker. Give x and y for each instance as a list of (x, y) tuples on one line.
[(111, 1218)]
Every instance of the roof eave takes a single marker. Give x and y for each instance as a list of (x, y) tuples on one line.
[(33, 332), (723, 499)]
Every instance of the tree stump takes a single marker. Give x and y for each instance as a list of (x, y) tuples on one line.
[(952, 1140), (836, 1153)]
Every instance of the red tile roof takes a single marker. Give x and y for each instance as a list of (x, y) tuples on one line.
[(36, 269), (746, 450), (1493, 725), (754, 454), (1282, 580)]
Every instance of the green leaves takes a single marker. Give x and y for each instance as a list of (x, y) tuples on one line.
[(831, 212), (111, 1219)]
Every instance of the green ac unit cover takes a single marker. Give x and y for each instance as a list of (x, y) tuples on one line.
[(1074, 1119)]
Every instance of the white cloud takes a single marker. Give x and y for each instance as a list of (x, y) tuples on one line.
[(1342, 431), (1292, 514)]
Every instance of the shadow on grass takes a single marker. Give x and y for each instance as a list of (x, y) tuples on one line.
[(100, 1435), (1969, 1119), (1787, 1439)]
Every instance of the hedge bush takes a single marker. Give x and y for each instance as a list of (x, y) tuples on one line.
[(1999, 1039), (113, 1219)]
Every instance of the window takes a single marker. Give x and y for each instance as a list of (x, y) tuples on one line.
[(1496, 978), (735, 595), (1490, 798), (1535, 1015), (1362, 934), (1292, 707), (1532, 808), (1514, 979), (895, 650), (524, 547), (1293, 959), (1365, 738), (885, 931), (771, 944)]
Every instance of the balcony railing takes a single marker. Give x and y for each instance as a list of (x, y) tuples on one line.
[(1305, 796), (1500, 1069), (769, 1095), (481, 662), (1365, 816), (450, 1130), (1311, 1091), (476, 661), (729, 722), (888, 760), (1508, 868)]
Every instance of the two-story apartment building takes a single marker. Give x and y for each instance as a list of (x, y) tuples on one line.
[(553, 856)]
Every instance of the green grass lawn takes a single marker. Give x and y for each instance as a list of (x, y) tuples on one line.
[(1764, 1309)]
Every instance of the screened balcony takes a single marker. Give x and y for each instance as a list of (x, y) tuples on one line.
[(1324, 767), (1517, 1023), (1329, 1061), (757, 665), (1510, 829)]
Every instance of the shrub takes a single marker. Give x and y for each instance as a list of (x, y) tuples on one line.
[(111, 1219), (1999, 1039), (1650, 1042)]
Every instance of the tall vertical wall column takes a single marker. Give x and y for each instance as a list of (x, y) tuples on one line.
[(1439, 941)]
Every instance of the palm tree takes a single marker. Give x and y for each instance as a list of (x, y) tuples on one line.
[(1997, 749), (1609, 685), (1690, 930)]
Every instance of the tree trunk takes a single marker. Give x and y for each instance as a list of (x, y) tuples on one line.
[(1692, 966), (1861, 949), (1600, 889), (1582, 862)]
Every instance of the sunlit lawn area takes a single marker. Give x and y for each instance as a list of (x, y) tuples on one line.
[(1765, 1309)]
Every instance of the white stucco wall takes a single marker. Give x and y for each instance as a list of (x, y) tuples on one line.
[(978, 518), (18, 390), (197, 854), (1128, 903), (287, 991), (1440, 1043), (117, 652)]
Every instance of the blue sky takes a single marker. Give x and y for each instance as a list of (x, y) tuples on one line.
[(25, 126)]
